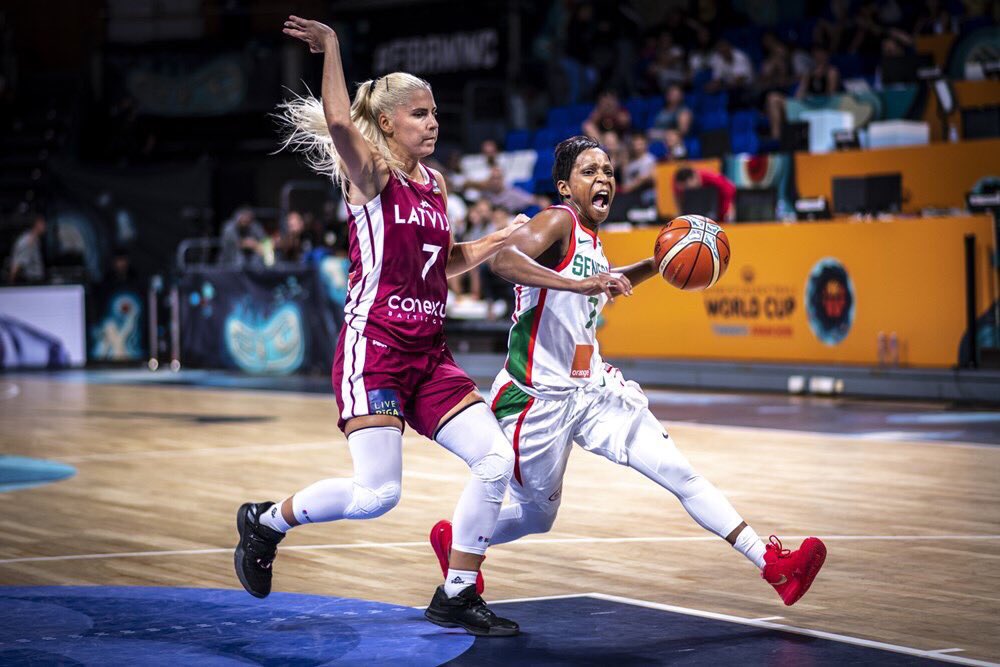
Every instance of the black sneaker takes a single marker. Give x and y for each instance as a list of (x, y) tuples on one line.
[(256, 549), (467, 610)]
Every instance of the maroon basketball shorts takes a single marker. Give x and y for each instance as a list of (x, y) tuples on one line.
[(371, 378)]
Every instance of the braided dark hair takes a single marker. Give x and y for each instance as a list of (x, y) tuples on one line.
[(566, 153)]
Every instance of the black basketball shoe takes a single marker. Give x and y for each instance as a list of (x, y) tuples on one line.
[(256, 549), (467, 610)]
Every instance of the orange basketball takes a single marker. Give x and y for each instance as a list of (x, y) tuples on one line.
[(691, 252)]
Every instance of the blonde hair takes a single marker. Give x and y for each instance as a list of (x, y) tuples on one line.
[(304, 128)]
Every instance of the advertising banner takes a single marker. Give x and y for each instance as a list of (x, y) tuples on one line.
[(811, 292), (278, 321), (118, 331), (42, 327)]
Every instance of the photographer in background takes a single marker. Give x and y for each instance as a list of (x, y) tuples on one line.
[(241, 239), (26, 263)]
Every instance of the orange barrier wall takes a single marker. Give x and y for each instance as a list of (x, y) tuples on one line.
[(936, 175), (968, 95), (904, 276), (666, 204)]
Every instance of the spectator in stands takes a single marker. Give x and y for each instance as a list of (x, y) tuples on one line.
[(687, 178), (700, 53), (732, 71), (895, 44), (837, 29), (822, 78), (934, 19), (869, 32), (608, 114), (499, 192), (668, 66), (637, 176), (673, 122), (241, 239), (26, 263), (478, 223), (612, 145), (289, 246)]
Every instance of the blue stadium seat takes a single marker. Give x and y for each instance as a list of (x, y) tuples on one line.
[(707, 121), (659, 150), (579, 113), (546, 139), (745, 142), (700, 78), (543, 165), (636, 108), (693, 147), (743, 121), (517, 140), (558, 116), (713, 102), (653, 106)]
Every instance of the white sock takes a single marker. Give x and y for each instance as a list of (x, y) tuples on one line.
[(749, 544), (273, 519), (458, 580)]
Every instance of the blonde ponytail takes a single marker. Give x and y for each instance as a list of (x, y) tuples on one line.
[(304, 128)]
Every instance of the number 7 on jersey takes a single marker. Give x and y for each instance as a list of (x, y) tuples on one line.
[(433, 250)]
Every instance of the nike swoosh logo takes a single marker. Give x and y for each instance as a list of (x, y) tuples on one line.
[(784, 579)]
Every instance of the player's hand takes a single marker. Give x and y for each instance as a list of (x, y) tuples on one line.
[(609, 284), (519, 219), (317, 35)]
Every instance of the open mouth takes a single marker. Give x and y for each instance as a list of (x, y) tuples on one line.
[(601, 200)]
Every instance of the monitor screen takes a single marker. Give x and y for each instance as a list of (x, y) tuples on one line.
[(756, 204), (849, 194), (701, 201)]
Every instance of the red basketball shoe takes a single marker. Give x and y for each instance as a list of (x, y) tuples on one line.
[(792, 572), (441, 543)]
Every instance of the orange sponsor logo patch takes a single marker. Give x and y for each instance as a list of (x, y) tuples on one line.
[(581, 361)]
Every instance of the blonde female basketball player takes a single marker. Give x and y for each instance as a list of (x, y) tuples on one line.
[(555, 389), (391, 363)]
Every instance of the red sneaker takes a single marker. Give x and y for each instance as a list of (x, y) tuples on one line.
[(792, 572), (441, 543)]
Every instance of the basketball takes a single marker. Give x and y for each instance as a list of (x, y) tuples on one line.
[(691, 252)]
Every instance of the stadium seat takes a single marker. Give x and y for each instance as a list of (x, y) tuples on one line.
[(546, 139), (636, 108), (659, 150), (700, 78), (517, 140), (693, 147), (713, 102), (707, 121), (558, 116), (743, 121), (745, 142)]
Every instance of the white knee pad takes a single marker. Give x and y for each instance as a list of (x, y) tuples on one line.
[(370, 503), (495, 469), (474, 435)]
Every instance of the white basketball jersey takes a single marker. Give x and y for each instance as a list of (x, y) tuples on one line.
[(552, 347)]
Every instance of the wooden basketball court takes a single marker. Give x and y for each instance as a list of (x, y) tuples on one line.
[(913, 527)]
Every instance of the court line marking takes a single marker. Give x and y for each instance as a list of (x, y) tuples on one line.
[(820, 634), (858, 438), (525, 542), (10, 390)]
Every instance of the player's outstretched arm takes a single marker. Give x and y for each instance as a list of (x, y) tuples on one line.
[(359, 160), (638, 272), (517, 262)]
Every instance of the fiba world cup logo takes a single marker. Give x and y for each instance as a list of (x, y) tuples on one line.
[(830, 301)]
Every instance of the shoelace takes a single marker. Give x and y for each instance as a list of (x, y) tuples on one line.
[(775, 544)]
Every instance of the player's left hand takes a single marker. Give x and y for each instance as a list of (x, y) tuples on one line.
[(317, 35), (519, 219)]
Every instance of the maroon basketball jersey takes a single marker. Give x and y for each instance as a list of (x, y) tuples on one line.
[(399, 243)]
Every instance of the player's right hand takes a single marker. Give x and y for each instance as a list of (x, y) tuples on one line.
[(317, 35), (609, 284)]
